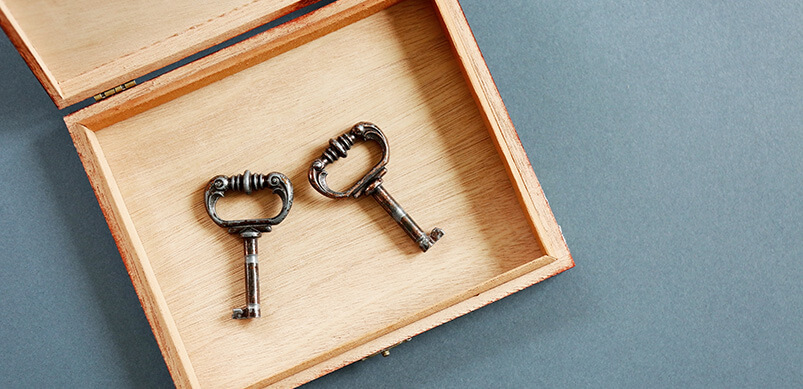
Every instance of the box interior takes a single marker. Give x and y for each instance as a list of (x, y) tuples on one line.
[(336, 273)]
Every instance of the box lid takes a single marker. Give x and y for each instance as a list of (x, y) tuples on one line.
[(81, 48)]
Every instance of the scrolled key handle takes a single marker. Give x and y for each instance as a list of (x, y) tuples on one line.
[(247, 183), (338, 148), (371, 183)]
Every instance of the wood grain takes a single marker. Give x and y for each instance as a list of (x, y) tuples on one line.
[(21, 42), (133, 254), (226, 62), (81, 47), (339, 279)]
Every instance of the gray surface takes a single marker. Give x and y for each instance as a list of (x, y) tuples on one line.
[(667, 137)]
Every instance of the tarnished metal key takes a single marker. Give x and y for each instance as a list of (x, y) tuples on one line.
[(371, 183), (249, 229)]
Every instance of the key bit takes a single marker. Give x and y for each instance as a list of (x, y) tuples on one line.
[(249, 229), (371, 183)]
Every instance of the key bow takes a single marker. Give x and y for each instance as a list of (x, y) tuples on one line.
[(248, 183), (338, 148)]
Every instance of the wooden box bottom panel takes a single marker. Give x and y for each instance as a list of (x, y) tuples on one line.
[(336, 274)]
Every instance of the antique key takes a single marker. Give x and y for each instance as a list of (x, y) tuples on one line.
[(249, 229), (371, 183)]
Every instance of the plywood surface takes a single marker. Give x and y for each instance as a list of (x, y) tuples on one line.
[(336, 273), (87, 46)]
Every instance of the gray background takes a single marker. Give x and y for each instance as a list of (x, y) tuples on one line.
[(667, 136)]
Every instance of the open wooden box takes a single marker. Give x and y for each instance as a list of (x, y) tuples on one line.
[(340, 280)]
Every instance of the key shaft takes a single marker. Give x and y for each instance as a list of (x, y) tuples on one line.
[(251, 309), (392, 207)]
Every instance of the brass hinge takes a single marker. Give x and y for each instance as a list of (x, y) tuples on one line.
[(115, 90)]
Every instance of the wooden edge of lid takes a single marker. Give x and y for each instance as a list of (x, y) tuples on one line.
[(66, 92)]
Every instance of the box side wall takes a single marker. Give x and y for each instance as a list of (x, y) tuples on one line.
[(472, 300), (501, 128), (134, 258)]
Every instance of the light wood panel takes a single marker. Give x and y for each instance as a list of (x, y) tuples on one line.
[(339, 279), (84, 47)]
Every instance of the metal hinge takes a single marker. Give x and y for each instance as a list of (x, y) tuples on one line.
[(115, 90)]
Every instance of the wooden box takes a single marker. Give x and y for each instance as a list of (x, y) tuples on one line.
[(340, 280)]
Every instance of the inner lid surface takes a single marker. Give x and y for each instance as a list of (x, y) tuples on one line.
[(83, 47)]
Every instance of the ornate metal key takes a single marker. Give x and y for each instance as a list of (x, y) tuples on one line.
[(249, 229), (371, 183)]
